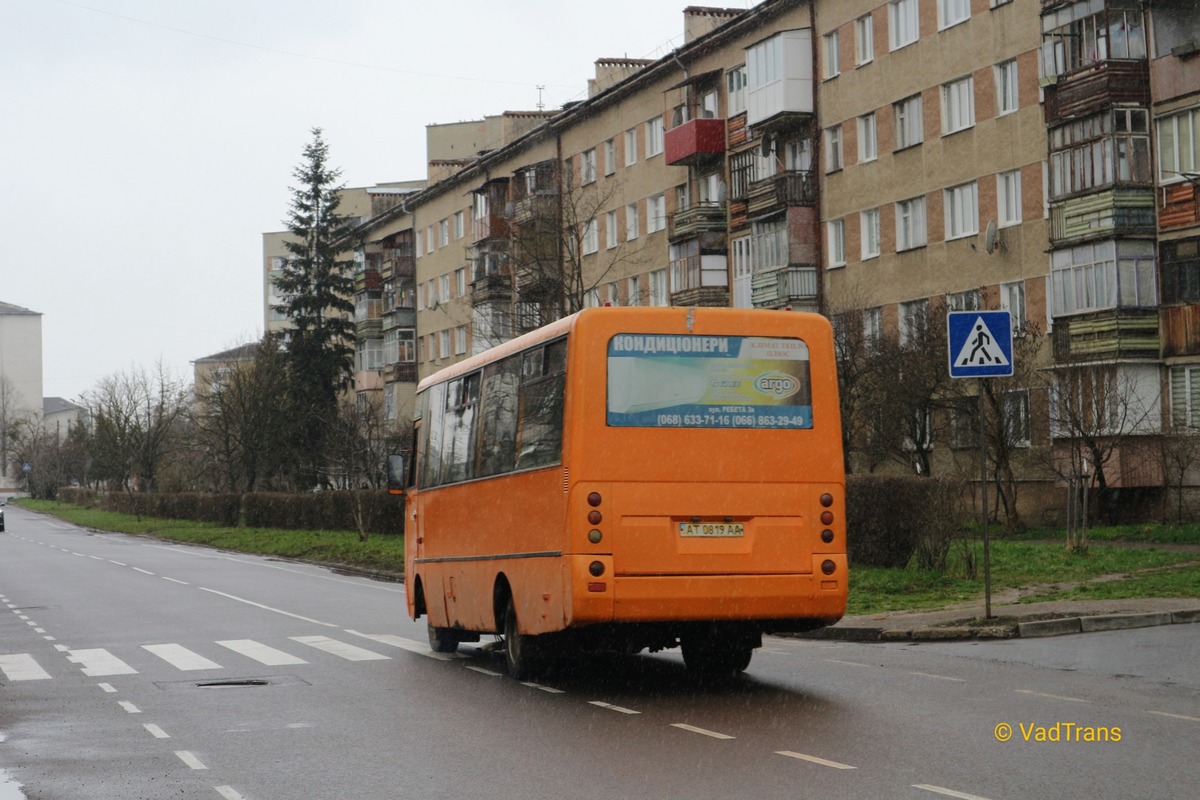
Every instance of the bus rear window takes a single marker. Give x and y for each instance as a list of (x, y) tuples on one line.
[(666, 381)]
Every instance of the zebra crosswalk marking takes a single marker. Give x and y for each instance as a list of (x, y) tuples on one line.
[(262, 653), (180, 657), (22, 667), (97, 662), (341, 649)]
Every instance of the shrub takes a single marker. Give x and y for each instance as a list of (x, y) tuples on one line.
[(891, 518)]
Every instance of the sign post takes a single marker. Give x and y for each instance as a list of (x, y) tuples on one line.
[(980, 347)]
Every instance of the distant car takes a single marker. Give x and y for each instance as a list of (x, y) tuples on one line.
[(1, 517)]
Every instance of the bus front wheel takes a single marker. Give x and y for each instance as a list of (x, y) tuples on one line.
[(519, 649), (442, 640)]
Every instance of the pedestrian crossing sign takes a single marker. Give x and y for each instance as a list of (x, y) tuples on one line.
[(980, 344)]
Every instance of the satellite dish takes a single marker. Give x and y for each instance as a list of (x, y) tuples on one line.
[(766, 147), (991, 238)]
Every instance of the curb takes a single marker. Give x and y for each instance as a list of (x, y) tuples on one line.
[(1022, 630)]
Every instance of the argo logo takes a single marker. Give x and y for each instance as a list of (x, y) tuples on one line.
[(777, 384)]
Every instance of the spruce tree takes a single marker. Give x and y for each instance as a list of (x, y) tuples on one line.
[(318, 288)]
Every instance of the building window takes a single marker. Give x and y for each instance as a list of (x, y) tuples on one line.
[(836, 230), (444, 344), (868, 144), (631, 222), (964, 301), (1008, 198), (429, 238), (864, 40), (460, 340), (610, 230), (769, 245), (654, 137), (443, 233), (869, 233), (658, 288), (832, 62), (1181, 271), (833, 148), (631, 154), (735, 89), (591, 237), (1082, 34), (1007, 99), (370, 354), (460, 282), (910, 122), (587, 167), (904, 24), (953, 12), (743, 268), (914, 319), (591, 299), (459, 224), (872, 324), (1012, 300), (910, 224), (1185, 397), (962, 210), (656, 213), (958, 105), (611, 294), (610, 157), (633, 288), (420, 247), (1016, 417), (1101, 275), (445, 294), (1099, 151), (1178, 144)]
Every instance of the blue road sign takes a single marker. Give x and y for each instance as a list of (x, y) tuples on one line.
[(980, 344)]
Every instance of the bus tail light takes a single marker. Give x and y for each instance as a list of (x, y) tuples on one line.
[(599, 586), (827, 536), (828, 567), (594, 517), (826, 517), (596, 568)]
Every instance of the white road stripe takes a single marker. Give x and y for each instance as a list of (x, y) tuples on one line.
[(267, 608), (155, 731), (813, 759), (180, 657), (97, 663), (482, 671), (229, 793), (848, 663), (549, 689), (701, 731), (22, 667), (948, 792), (118, 563), (939, 677), (128, 706), (1051, 696), (176, 580), (611, 707), (411, 645), (143, 571), (1174, 716), (108, 687), (261, 653), (340, 649), (190, 759), (98, 558)]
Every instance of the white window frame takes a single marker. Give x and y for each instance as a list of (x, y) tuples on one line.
[(444, 344), (633, 290), (587, 167), (1012, 300), (460, 281), (953, 12), (864, 40), (654, 137), (961, 205), (459, 224), (912, 313), (590, 237), (631, 222), (911, 229), (443, 233), (831, 45), (631, 148), (1178, 136), (909, 122), (735, 86), (1008, 198), (460, 340), (610, 230), (904, 23), (1008, 99), (610, 157), (868, 138), (836, 246), (656, 213), (872, 324), (869, 233), (445, 287), (958, 105), (658, 288), (834, 157)]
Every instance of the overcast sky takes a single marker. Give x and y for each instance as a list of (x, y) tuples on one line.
[(145, 145)]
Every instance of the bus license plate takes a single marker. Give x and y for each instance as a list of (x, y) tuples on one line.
[(712, 529)]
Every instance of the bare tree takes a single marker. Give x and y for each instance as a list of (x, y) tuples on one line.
[(12, 417), (1179, 451), (53, 461)]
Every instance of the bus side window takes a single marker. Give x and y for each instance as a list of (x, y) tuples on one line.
[(433, 423), (543, 382), (458, 438), (498, 417)]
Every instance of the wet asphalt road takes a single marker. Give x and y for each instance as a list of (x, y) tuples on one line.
[(131, 668)]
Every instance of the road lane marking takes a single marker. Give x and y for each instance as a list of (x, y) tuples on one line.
[(848, 663), (411, 645), (98, 663), (143, 571), (549, 689), (267, 608), (229, 793), (155, 731), (190, 759), (948, 792), (611, 707), (340, 649), (98, 558), (1174, 716), (22, 667), (483, 671), (62, 648), (180, 657), (118, 563), (823, 762), (1052, 696), (701, 731), (262, 653), (39, 630), (108, 687), (175, 580), (128, 706), (939, 677)]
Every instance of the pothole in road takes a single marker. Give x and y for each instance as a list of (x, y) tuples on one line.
[(233, 683)]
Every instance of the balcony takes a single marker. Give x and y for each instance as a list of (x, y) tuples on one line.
[(793, 285), (368, 281), (1121, 210), (400, 372), (491, 288), (368, 329), (702, 218), (695, 141), (1098, 86), (785, 190), (399, 318), (1117, 333), (1180, 330)]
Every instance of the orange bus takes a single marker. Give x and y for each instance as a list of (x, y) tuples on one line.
[(628, 479)]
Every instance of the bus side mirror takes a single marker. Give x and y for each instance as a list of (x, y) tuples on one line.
[(395, 474)]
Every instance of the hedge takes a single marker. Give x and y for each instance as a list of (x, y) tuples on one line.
[(890, 518)]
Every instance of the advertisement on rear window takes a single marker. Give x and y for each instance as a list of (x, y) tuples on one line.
[(665, 381)]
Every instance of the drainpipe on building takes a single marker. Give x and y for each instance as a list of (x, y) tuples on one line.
[(819, 238)]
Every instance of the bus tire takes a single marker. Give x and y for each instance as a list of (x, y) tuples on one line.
[(519, 650), (716, 657), (442, 640)]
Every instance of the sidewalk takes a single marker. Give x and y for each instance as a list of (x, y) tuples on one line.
[(1012, 620)]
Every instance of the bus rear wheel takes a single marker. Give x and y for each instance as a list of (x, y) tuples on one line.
[(442, 640), (520, 656), (713, 656)]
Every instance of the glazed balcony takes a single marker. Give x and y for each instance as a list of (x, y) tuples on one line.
[(701, 218), (1118, 211), (695, 141), (1111, 334), (1097, 86)]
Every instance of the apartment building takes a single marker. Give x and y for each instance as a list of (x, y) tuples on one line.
[(20, 381)]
